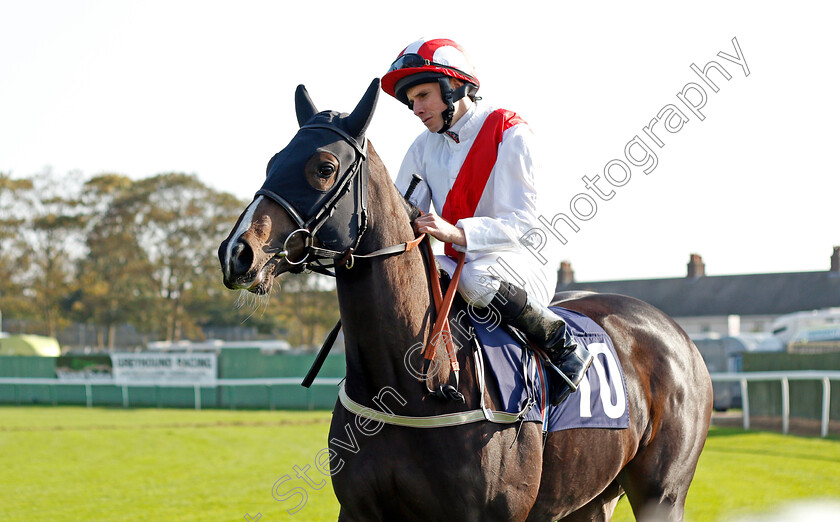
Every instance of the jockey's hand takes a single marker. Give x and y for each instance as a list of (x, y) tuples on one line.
[(440, 229)]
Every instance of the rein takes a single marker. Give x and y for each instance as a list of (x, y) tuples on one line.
[(328, 342), (440, 332)]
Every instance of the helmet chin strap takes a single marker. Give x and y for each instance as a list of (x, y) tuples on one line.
[(450, 96)]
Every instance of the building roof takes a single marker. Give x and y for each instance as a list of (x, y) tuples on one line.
[(750, 294)]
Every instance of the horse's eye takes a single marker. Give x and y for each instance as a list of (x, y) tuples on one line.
[(326, 170), (321, 170)]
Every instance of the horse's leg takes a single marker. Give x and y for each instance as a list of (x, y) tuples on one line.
[(658, 477), (656, 485), (577, 465), (600, 508)]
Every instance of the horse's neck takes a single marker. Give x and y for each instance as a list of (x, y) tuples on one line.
[(384, 301)]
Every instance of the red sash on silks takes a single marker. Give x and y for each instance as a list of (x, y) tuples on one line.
[(472, 178)]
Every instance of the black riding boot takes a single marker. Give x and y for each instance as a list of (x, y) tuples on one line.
[(547, 330)]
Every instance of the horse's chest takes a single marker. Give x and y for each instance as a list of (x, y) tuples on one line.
[(425, 474)]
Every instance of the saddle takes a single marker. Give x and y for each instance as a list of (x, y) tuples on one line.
[(506, 358)]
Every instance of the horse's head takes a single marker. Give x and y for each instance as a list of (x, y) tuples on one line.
[(312, 205)]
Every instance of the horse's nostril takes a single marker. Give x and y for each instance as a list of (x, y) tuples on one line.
[(241, 258)]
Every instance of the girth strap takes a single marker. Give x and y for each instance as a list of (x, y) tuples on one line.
[(433, 421)]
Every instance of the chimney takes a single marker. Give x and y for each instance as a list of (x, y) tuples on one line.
[(696, 267), (565, 275), (835, 260)]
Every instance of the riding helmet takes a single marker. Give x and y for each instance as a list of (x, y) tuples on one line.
[(430, 61)]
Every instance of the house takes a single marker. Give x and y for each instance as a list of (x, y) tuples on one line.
[(724, 305)]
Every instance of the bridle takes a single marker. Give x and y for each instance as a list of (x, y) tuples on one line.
[(308, 228), (313, 256)]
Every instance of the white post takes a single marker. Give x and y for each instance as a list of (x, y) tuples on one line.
[(826, 402), (745, 403), (197, 397), (125, 395), (785, 405), (88, 395)]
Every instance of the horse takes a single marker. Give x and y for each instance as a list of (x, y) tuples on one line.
[(328, 204)]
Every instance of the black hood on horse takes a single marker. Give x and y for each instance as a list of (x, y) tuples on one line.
[(341, 138)]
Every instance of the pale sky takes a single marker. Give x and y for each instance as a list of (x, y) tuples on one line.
[(140, 88)]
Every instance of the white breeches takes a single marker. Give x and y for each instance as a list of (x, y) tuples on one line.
[(481, 275)]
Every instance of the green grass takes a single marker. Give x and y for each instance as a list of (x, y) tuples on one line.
[(747, 473), (75, 464)]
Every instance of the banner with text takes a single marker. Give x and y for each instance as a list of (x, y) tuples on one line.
[(196, 368)]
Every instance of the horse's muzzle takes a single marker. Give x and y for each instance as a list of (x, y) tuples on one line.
[(237, 262)]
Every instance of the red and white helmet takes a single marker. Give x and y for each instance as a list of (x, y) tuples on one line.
[(425, 61)]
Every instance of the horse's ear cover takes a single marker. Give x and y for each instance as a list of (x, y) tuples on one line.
[(343, 136), (304, 108), (359, 119)]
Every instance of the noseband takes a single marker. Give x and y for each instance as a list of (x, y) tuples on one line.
[(308, 228)]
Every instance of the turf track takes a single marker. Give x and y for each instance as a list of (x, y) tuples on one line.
[(68, 463)]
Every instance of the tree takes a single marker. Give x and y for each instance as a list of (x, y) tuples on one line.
[(180, 223), (13, 211), (114, 277), (111, 251), (52, 238)]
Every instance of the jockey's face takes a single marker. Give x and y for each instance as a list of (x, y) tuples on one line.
[(428, 104)]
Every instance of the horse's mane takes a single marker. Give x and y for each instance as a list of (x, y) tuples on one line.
[(411, 210)]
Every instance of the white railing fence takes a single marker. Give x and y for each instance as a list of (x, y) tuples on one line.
[(784, 378), (124, 387)]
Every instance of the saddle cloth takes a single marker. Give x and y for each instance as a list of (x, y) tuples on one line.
[(599, 402)]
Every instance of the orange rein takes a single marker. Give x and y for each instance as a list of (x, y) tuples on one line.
[(441, 330)]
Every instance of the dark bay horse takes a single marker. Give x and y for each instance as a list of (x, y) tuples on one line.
[(328, 201)]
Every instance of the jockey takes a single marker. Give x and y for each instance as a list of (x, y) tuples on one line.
[(477, 169)]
